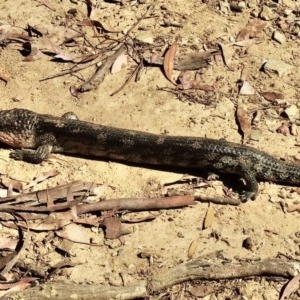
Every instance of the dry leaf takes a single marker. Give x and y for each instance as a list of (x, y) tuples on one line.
[(277, 66), (272, 96), (40, 178), (283, 129), (247, 89), (4, 30), (49, 224), (186, 84), (192, 248), (244, 121), (169, 61), (209, 218), (74, 233), (251, 30), (114, 228), (4, 75), (247, 43), (8, 243), (291, 288), (99, 26), (227, 53), (119, 63), (15, 184), (16, 286)]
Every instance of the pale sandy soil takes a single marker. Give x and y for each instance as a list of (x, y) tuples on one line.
[(141, 106)]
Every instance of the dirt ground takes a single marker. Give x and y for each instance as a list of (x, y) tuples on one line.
[(141, 105)]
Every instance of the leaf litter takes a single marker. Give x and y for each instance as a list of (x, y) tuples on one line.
[(94, 47)]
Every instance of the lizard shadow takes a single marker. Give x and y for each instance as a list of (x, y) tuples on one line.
[(231, 181)]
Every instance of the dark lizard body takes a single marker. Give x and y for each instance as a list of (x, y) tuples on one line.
[(43, 134)]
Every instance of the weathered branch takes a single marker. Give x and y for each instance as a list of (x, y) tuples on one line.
[(197, 269)]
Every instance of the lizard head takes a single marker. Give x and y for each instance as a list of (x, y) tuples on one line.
[(17, 128)]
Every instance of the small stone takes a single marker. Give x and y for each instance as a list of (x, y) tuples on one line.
[(247, 89), (144, 37), (292, 112), (224, 7), (294, 129), (279, 37), (242, 4), (288, 12), (248, 243), (277, 66), (267, 13)]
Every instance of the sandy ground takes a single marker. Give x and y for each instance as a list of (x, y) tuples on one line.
[(140, 105)]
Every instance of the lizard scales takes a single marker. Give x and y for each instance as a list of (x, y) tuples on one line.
[(37, 135)]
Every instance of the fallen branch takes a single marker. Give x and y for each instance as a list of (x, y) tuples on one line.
[(137, 204), (197, 269)]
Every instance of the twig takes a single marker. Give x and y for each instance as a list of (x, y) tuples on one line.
[(137, 204), (136, 70), (197, 269), (218, 200), (101, 71)]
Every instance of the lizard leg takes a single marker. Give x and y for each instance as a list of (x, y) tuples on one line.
[(239, 167), (32, 156), (251, 183)]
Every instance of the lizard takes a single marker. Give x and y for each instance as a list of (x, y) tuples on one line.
[(35, 136)]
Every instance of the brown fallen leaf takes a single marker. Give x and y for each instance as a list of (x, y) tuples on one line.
[(272, 96), (168, 64), (186, 84), (14, 183), (8, 243), (244, 121), (40, 178), (114, 228), (209, 218), (4, 75), (291, 288), (247, 43), (98, 25), (251, 30), (16, 286), (74, 233), (192, 248), (227, 53), (4, 31), (283, 129)]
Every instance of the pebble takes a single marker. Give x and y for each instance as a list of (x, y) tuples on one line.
[(267, 13), (279, 37), (292, 112), (277, 66), (144, 37)]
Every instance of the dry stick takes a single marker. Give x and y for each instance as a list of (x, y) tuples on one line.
[(197, 269), (218, 200), (69, 71), (101, 72), (128, 204), (40, 197), (137, 204), (136, 70)]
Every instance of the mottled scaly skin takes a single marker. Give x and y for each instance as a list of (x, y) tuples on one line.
[(43, 134)]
